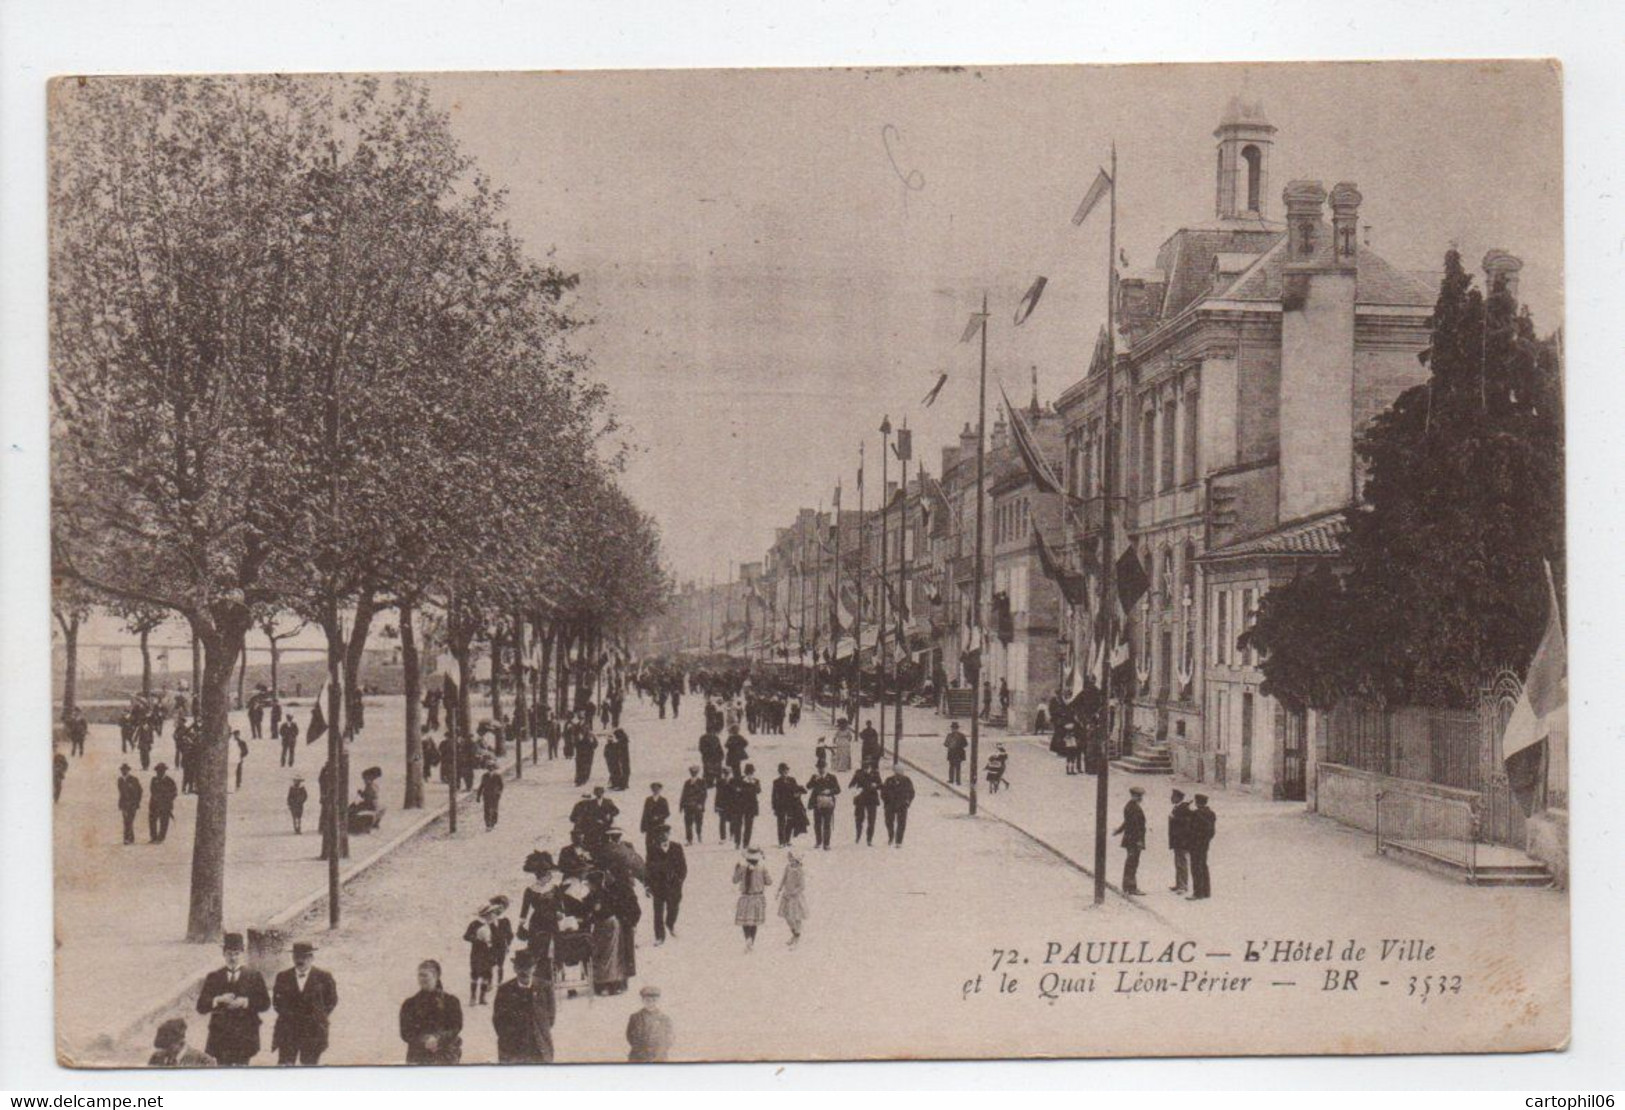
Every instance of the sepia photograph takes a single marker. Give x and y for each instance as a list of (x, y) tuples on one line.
[(822, 564)]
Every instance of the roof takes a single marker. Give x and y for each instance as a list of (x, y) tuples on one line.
[(1376, 282), (1187, 257), (1319, 536)]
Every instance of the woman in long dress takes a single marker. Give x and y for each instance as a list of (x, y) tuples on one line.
[(793, 897), (752, 879), (609, 971), (842, 760)]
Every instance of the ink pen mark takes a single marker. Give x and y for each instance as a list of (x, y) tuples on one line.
[(913, 180)]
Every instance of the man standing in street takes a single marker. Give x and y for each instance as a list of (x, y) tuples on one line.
[(821, 791), (523, 1015), (957, 745), (129, 800), (896, 795), (1203, 823), (288, 733), (656, 815), (865, 785), (870, 750), (161, 808), (666, 871), (1179, 840), (692, 803), (1133, 833), (305, 997), (234, 997), (490, 794)]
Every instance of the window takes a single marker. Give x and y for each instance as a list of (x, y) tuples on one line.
[(1193, 428), (1249, 613), (1221, 627), (1148, 452), (1170, 433), (1255, 175)]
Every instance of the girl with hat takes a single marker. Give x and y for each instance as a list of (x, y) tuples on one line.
[(752, 879), (793, 897)]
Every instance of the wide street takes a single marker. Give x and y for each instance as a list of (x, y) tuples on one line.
[(896, 956)]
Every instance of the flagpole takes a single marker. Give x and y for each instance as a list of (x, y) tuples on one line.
[(1108, 559), (976, 603), (885, 523), (835, 610), (857, 619)]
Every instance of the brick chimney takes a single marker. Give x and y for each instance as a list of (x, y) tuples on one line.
[(1500, 264), (1305, 202), (1345, 222)]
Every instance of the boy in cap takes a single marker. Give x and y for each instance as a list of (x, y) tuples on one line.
[(482, 940), (171, 1050), (304, 997), (1132, 831), (649, 1032), (234, 997)]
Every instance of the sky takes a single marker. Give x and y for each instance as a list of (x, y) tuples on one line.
[(774, 260)]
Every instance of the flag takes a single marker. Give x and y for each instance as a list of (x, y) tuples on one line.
[(1073, 586), (977, 321), (942, 380), (1132, 582), (1101, 185), (904, 447), (860, 471), (971, 657), (1037, 469), (837, 499), (1030, 300), (1004, 620), (897, 603), (318, 712), (1102, 351), (1543, 707)]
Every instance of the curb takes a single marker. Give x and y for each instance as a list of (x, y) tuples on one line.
[(193, 981)]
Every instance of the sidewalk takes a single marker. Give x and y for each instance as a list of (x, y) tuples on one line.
[(1278, 870), (121, 910)]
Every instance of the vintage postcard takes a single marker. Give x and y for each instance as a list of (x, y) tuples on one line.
[(809, 564)]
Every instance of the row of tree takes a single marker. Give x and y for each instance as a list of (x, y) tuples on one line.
[(302, 366)]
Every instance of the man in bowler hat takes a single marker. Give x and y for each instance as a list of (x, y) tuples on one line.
[(233, 997), (305, 997)]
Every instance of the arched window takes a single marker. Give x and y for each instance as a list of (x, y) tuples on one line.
[(1255, 175)]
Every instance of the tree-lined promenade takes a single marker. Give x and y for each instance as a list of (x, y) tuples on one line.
[(301, 366)]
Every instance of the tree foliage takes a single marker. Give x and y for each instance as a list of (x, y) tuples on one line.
[(1442, 578)]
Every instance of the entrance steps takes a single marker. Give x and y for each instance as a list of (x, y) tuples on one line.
[(1494, 864), (1146, 759)]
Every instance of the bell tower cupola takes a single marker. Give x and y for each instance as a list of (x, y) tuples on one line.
[(1245, 138)]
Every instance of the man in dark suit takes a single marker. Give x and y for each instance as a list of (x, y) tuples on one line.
[(656, 814), (161, 805), (1203, 824), (305, 997), (1132, 831), (523, 1015), (896, 796), (234, 997), (666, 871), (692, 803), (129, 800), (1179, 840)]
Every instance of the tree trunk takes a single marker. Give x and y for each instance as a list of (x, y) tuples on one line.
[(197, 676), (497, 670), (70, 677), (337, 727), (242, 672), (521, 710), (544, 670), (221, 647), (276, 657), (411, 677), (146, 665), (365, 609)]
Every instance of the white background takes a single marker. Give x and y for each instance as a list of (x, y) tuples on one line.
[(42, 38)]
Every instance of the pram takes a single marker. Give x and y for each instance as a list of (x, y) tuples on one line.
[(572, 963)]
